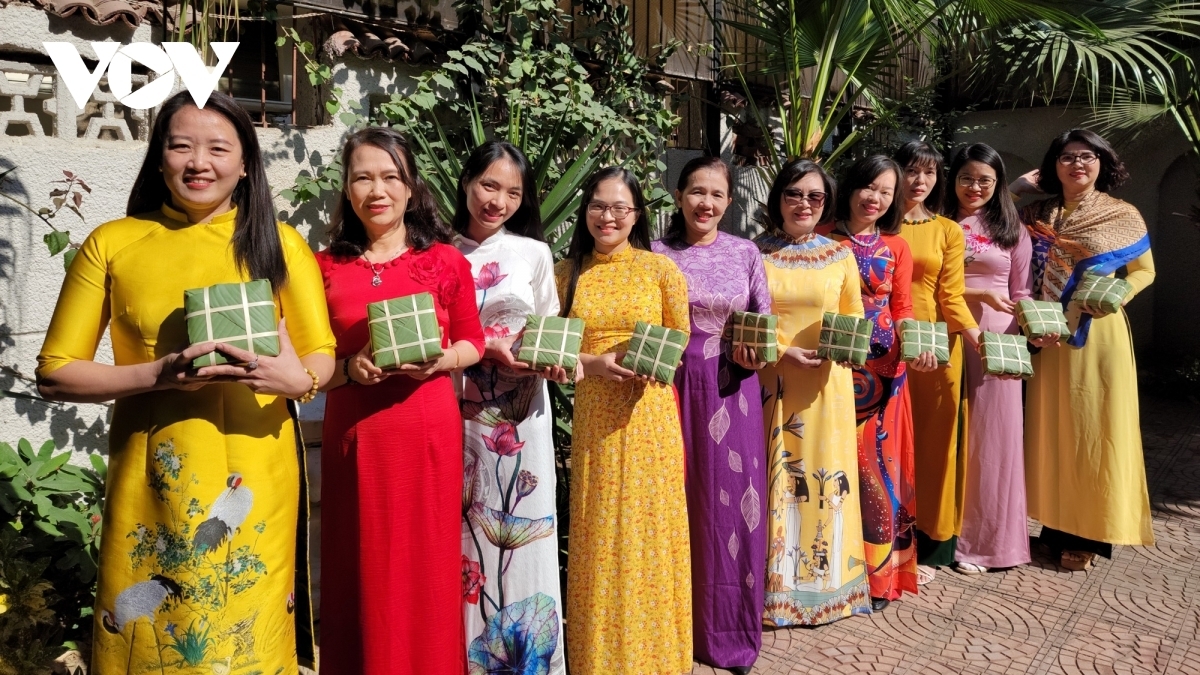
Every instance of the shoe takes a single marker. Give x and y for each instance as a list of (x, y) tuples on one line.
[(1077, 561), (969, 569), (739, 670), (879, 604), (925, 574)]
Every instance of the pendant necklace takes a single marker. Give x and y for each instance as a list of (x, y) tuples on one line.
[(376, 270)]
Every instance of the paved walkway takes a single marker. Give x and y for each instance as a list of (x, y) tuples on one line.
[(1136, 614)]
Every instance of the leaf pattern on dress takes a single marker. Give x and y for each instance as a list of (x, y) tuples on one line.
[(751, 508), (750, 580), (724, 497), (735, 461), (733, 545), (723, 376), (743, 405), (719, 425), (712, 346)]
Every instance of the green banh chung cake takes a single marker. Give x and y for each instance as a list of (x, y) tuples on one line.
[(1100, 296), (1005, 355), (757, 331), (918, 337), (1039, 318), (241, 314), (404, 330), (655, 351), (845, 338), (551, 341)]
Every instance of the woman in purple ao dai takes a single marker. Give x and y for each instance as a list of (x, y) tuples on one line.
[(722, 421), (998, 256)]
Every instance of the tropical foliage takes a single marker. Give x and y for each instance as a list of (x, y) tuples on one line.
[(521, 79), (50, 525), (837, 68)]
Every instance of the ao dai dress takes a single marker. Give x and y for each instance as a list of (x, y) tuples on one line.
[(391, 464), (995, 531), (726, 463), (629, 596), (507, 441), (940, 452), (885, 436), (815, 570), (174, 456)]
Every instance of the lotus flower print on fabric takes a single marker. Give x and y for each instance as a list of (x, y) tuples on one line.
[(503, 440), (489, 276), (472, 580), (507, 531), (519, 639)]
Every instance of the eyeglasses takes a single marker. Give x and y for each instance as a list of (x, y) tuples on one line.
[(983, 183), (795, 198), (1084, 158), (618, 211)]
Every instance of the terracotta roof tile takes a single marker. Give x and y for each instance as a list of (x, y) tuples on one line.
[(368, 42), (104, 12)]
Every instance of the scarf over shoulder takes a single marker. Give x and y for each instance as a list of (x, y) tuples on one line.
[(1101, 235)]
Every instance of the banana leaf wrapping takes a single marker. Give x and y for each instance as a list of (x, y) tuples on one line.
[(655, 351), (1039, 318), (241, 314), (1005, 355), (757, 331), (1100, 296), (404, 330), (845, 338), (918, 337), (551, 341)]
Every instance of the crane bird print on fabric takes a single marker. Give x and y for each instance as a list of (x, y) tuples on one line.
[(226, 515), (194, 601), (140, 601)]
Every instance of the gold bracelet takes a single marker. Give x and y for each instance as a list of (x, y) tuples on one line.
[(311, 393), (457, 358)]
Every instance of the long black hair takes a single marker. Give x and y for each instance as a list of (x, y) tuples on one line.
[(582, 243), (527, 221), (922, 154), (860, 175), (787, 176), (257, 249), (1000, 215), (677, 228), (423, 227), (1113, 173)]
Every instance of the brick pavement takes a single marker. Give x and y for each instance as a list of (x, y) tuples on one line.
[(1136, 614)]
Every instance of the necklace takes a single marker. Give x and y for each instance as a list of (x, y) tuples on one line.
[(858, 239), (922, 221), (377, 269)]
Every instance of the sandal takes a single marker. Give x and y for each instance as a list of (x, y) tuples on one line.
[(925, 574), (1077, 561), (969, 568)]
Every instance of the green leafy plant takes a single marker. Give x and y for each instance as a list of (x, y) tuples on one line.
[(836, 67), (71, 196), (55, 508), (28, 627)]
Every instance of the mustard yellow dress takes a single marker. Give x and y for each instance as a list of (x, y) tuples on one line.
[(815, 554), (938, 407), (629, 596), (170, 601)]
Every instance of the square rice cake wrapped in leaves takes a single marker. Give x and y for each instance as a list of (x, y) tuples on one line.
[(918, 337), (1005, 355), (551, 341), (241, 314), (655, 351), (404, 330), (845, 338), (757, 331), (1100, 296), (1039, 318)]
